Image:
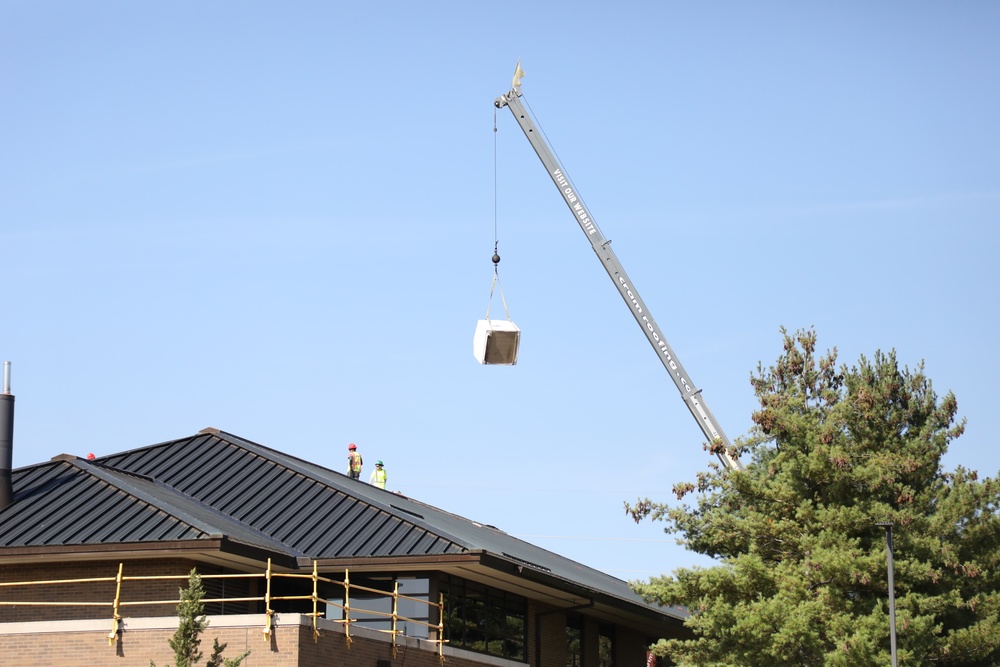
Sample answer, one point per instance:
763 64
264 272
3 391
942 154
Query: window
418 611
220 589
484 619
574 640
606 645
373 609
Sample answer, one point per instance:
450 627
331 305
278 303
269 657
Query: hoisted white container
496 342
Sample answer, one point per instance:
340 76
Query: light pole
892 588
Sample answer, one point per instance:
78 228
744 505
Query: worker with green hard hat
379 476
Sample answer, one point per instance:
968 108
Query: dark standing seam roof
308 508
68 503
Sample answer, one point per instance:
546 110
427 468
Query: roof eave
216 548
488 568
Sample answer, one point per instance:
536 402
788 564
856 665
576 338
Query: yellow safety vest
379 477
355 461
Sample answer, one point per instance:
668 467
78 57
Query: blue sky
277 219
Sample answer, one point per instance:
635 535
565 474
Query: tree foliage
186 641
802 574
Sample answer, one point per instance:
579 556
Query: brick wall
552 632
97 591
43 644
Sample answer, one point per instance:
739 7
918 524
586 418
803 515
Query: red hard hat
352 446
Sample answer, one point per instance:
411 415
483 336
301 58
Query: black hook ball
496 258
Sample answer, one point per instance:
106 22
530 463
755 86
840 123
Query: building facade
301 566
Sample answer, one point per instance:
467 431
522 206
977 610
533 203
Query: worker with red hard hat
353 461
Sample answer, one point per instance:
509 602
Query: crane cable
496 242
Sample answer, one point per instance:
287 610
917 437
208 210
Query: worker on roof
379 475
354 461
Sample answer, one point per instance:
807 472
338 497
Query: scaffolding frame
267 598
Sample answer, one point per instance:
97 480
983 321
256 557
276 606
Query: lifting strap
496 283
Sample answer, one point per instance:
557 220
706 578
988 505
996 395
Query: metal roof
309 509
215 485
73 502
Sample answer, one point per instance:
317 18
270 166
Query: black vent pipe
6 439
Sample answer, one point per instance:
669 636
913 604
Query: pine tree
186 641
801 578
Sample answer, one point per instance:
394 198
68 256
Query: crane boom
602 247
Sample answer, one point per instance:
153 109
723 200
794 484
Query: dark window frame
574 640
606 635
484 619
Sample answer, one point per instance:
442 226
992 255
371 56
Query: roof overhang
216 550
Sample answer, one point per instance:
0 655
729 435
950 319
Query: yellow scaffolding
267 598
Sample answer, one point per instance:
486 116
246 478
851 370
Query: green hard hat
378 463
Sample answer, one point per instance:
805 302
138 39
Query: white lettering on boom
574 202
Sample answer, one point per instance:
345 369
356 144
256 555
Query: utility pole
892 588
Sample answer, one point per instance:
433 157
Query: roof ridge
302 467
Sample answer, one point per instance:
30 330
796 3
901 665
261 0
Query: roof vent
526 562
403 509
